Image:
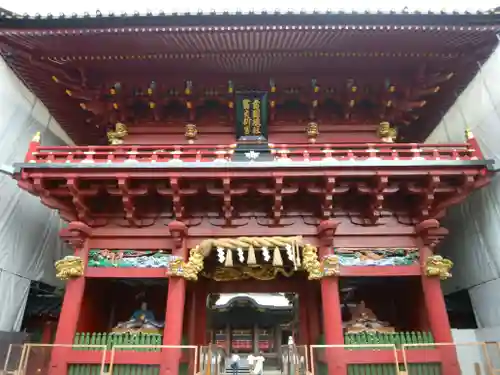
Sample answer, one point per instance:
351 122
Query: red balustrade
282 152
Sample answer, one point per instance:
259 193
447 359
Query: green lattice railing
122 369
110 339
398 339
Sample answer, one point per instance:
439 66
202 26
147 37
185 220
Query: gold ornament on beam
195 264
436 265
263 273
386 133
312 131
36 137
190 132
115 137
69 267
311 263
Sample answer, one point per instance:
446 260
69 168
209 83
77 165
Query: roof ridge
4 13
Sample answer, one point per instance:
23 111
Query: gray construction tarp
29 240
474 239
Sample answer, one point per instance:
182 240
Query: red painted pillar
201 315
174 311
313 317
303 319
47 332
330 299
174 315
190 308
68 321
332 325
438 317
69 316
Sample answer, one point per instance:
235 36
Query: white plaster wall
477 347
474 240
469 354
29 241
491 335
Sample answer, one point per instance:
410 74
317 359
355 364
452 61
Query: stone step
229 371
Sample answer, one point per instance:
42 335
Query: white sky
57 6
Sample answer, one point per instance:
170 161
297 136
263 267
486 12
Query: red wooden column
76 234
47 329
191 307
174 312
70 311
201 314
303 318
330 297
313 316
435 304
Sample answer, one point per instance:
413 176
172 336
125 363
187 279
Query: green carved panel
377 256
130 258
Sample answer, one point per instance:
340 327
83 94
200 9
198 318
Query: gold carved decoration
312 131
311 263
195 263
36 137
436 265
69 267
115 137
262 273
386 133
190 132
